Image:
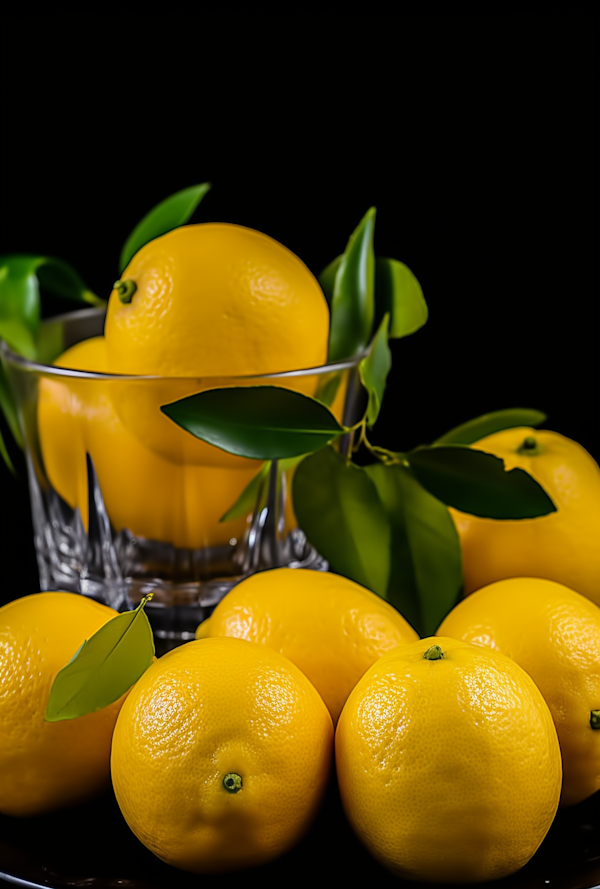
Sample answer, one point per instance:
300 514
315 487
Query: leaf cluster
385 525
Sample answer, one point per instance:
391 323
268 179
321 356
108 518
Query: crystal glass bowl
124 502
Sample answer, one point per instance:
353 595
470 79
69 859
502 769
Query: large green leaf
104 668
169 214
374 370
473 430
478 483
261 422
398 293
426 566
353 300
327 278
339 510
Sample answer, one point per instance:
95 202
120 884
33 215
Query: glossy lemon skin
217 299
332 628
449 770
209 709
553 633
46 766
215 303
151 496
562 546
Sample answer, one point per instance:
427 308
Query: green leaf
61 279
398 292
473 430
245 503
169 214
7 406
426 565
339 510
19 303
6 456
477 483
20 280
353 300
261 422
374 370
327 278
104 668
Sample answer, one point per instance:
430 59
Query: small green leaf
398 292
261 422
374 370
5 455
327 388
476 429
171 213
104 668
61 279
327 278
245 503
426 565
477 483
248 499
18 337
353 300
339 510
7 406
19 303
20 280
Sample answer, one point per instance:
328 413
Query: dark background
473 130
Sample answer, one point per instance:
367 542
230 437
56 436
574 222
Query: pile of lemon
202 306
452 753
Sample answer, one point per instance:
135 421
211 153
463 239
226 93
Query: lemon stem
595 718
433 653
125 289
232 782
529 448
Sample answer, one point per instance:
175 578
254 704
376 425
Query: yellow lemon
151 496
207 305
562 546
48 765
554 634
448 762
332 628
217 299
221 756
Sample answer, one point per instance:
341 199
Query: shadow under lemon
179 502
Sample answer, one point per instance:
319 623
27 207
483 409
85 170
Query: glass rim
52 370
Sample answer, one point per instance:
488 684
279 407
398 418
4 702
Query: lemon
142 491
448 762
221 756
332 628
211 304
553 633
48 765
562 546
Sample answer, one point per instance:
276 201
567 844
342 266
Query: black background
472 129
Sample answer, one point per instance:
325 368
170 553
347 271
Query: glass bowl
125 503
